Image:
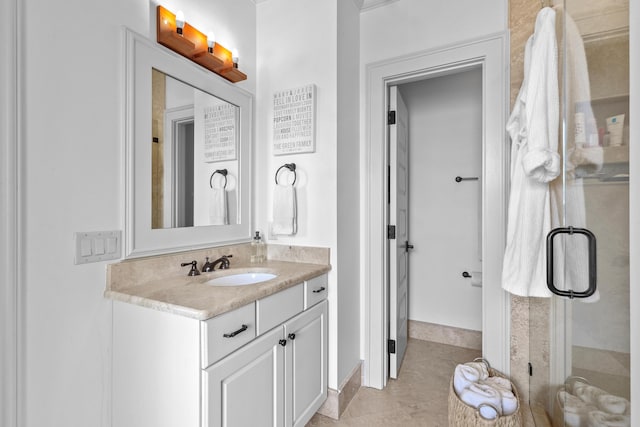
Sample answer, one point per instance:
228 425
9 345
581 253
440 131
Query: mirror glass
194 156
187 154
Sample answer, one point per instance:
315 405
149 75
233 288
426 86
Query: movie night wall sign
294 119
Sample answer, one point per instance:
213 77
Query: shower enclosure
579 340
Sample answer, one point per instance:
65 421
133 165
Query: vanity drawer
315 290
225 333
275 309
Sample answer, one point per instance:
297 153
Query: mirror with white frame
187 156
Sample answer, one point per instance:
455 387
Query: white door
398 232
247 387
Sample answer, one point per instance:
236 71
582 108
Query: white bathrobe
533 127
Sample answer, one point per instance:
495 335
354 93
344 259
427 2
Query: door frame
11 302
491 54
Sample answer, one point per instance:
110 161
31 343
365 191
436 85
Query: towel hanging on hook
292 168
222 172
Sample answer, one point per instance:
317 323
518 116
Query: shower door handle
591 239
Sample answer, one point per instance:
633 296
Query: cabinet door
247 387
306 365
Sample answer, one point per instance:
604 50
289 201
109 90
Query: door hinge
391 118
530 369
391 232
391 346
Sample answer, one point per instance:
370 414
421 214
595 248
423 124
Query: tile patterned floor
417 398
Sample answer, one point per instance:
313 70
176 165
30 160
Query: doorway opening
488 56
442 300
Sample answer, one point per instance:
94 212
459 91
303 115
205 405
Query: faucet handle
194 268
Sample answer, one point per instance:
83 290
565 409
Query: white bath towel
218 207
481 367
533 127
588 393
503 385
602 419
613 404
575 411
477 394
284 210
465 375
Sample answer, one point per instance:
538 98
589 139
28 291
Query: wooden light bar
192 44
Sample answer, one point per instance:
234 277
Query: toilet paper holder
466 275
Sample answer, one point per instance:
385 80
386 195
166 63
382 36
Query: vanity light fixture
176 34
211 41
179 22
234 57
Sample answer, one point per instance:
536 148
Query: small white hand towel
284 210
602 419
509 400
477 394
464 376
575 410
613 404
218 207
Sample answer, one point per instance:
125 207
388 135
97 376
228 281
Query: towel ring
292 168
222 172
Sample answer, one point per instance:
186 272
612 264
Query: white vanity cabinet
269 370
279 379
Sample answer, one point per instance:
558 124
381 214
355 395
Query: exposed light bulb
179 21
234 57
211 41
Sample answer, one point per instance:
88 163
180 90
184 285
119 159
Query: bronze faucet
223 261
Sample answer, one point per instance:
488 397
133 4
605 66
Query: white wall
445 140
298 45
408 26
348 186
73 172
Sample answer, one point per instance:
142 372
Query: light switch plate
95 246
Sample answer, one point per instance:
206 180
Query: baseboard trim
445 334
337 401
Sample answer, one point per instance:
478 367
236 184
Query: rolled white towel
588 393
477 394
575 410
482 369
612 404
464 376
503 385
602 419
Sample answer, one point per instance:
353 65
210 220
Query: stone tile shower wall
529 316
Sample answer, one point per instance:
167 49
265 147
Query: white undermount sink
241 279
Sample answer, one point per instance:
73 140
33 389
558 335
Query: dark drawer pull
317 291
239 331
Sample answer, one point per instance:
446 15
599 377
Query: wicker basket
463 415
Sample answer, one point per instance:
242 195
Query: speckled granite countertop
190 296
